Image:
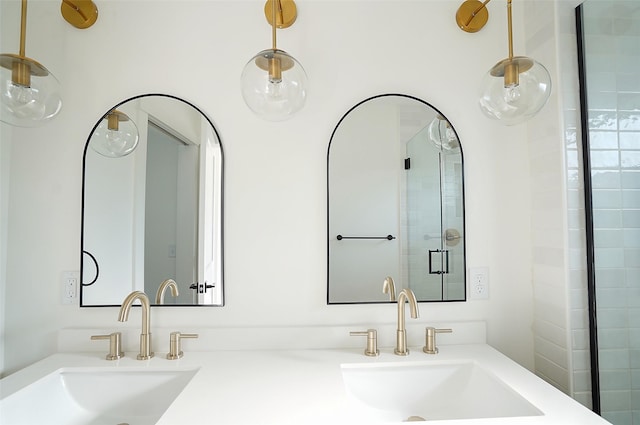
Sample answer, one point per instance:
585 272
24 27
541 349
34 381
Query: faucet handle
175 352
372 341
115 345
430 336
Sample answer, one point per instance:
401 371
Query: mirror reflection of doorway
171 207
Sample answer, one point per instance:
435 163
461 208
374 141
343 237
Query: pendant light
29 93
116 135
442 135
515 88
274 84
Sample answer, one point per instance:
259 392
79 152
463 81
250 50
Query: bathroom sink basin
96 396
431 391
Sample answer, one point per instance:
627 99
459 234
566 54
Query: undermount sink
396 392
96 396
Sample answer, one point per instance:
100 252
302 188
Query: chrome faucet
169 283
145 335
401 336
389 287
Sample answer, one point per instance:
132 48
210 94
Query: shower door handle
444 261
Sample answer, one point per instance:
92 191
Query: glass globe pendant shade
274 85
116 135
29 93
442 135
514 90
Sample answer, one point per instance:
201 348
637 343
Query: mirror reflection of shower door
425 259
435 220
452 225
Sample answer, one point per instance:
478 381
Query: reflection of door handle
201 287
445 262
431 271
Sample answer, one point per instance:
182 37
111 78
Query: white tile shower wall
549 227
612 33
559 269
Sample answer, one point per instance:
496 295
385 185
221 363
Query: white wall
275 173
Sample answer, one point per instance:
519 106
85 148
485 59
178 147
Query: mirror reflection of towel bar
388 237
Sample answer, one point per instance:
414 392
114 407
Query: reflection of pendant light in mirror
442 135
274 84
517 87
115 136
30 94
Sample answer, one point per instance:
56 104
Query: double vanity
287 375
466 382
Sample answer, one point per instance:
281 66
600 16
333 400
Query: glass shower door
435 213
611 65
425 259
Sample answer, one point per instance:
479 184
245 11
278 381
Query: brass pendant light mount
80 13
279 14
286 12
472 15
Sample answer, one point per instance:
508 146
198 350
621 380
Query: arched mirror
152 205
395 203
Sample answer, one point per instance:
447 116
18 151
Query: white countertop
303 386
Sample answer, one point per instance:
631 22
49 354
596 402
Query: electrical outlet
479 283
69 286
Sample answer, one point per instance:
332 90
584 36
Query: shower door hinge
407 163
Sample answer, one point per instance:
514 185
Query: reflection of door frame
209 270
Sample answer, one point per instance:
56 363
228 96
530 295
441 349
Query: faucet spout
145 334
401 335
169 283
389 287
